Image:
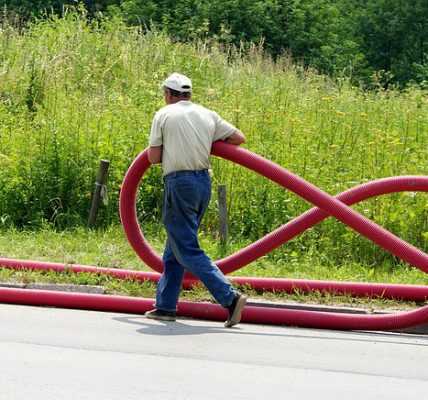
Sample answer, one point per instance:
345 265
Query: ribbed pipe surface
354 289
325 205
258 315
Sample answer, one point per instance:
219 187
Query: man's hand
236 138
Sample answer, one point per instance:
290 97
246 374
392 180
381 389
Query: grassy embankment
109 248
72 93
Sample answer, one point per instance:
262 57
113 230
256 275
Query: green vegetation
343 38
74 90
109 248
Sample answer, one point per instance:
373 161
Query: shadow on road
180 327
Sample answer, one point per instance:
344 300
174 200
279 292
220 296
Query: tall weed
73 91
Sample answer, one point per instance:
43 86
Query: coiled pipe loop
325 205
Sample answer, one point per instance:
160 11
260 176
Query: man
181 137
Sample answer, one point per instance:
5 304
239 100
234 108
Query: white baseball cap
178 82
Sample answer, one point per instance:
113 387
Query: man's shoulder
180 107
162 112
174 107
204 109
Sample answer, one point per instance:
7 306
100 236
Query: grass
74 91
109 248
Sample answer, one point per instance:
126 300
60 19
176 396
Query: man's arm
155 154
236 138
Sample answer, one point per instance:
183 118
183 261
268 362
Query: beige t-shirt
186 131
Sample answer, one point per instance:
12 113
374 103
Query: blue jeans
185 200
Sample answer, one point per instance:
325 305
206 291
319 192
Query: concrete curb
56 287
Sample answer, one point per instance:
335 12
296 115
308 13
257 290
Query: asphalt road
67 354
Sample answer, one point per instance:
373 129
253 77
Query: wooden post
102 172
222 213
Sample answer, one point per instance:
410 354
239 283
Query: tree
393 35
355 38
36 8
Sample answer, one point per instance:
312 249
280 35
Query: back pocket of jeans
188 194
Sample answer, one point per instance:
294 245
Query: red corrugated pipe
355 289
257 315
326 205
